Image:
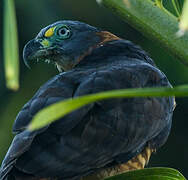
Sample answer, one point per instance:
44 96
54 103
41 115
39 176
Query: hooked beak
35 50
30 51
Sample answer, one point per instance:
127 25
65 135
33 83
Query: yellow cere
45 43
49 32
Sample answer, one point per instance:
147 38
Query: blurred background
34 15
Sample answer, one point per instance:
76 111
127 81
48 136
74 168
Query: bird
101 139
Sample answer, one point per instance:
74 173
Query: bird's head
65 43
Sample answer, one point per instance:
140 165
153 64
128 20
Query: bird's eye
64 32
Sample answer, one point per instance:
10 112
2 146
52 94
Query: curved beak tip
25 58
27 64
29 50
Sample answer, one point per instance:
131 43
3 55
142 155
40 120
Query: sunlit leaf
150 174
60 109
183 25
11 57
150 20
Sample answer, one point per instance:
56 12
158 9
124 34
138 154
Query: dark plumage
101 137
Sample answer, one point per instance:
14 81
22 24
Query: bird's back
102 137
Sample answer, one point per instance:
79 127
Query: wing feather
97 135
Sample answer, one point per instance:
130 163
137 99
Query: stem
146 17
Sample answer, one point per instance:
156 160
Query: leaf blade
183 25
11 56
151 21
150 174
60 109
176 6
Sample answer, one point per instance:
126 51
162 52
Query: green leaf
150 174
176 6
60 109
11 51
159 3
183 25
150 20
